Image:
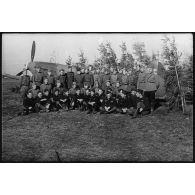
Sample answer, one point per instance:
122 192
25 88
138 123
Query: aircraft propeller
32 58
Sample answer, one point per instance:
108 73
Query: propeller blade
33 51
20 73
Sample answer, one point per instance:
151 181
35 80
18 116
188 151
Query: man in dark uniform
24 83
86 97
39 103
78 78
78 100
56 105
122 103
109 104
108 87
28 103
88 78
37 78
100 99
51 79
65 100
92 103
70 77
62 78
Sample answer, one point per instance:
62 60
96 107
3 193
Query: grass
77 136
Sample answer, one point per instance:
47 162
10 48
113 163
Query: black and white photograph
97 97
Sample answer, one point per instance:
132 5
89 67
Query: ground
77 137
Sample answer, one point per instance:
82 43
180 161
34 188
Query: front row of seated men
92 100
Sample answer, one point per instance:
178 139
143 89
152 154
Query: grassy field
76 136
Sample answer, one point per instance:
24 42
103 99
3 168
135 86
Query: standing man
37 78
88 78
51 79
151 85
78 78
141 80
70 77
62 78
24 83
105 78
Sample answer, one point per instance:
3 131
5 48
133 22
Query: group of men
91 90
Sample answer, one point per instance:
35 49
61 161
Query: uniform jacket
78 78
109 102
70 79
122 102
44 86
37 78
25 80
39 100
141 81
34 92
28 102
151 82
113 78
100 99
51 80
63 80
46 99
59 88
55 98
105 77
88 78
97 78
72 92
64 97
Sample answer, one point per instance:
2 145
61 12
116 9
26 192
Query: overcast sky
16 48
